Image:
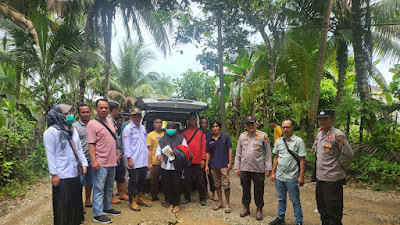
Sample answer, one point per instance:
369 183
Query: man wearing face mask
137 157
250 164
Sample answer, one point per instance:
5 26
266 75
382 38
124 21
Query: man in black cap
250 164
334 156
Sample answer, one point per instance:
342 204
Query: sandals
228 209
176 209
217 207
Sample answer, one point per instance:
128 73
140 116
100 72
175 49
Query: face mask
70 119
170 132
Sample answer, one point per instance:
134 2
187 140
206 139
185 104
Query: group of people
95 153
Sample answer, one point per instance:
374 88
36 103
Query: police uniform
250 161
334 156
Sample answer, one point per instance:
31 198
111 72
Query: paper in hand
167 150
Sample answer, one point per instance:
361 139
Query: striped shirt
81 128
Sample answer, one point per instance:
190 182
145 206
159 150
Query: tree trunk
360 63
342 64
318 72
107 26
82 81
221 73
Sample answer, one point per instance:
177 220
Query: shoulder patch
266 138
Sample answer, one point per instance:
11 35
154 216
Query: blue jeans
294 194
103 184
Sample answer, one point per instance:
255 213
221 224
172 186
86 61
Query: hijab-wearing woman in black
170 175
64 152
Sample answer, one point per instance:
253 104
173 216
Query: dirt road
361 206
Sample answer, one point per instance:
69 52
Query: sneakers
102 219
112 212
277 221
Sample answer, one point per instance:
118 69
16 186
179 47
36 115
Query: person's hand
300 181
159 158
150 167
237 173
203 163
312 150
273 177
267 173
95 165
229 166
118 158
55 180
84 169
130 163
207 169
172 153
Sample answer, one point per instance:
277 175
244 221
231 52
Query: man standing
196 141
137 157
120 169
102 141
154 164
287 173
334 156
277 129
208 133
250 164
219 159
80 125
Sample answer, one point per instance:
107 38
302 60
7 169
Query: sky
175 64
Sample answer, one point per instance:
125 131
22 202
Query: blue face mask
170 132
70 119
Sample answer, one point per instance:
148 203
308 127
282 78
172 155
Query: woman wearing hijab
63 149
170 174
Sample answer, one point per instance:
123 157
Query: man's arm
94 163
203 149
230 152
300 181
268 163
150 166
274 166
238 157
208 156
127 148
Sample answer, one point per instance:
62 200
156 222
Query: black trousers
67 202
194 172
136 181
258 181
210 181
120 172
171 182
329 197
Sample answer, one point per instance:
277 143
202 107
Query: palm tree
144 11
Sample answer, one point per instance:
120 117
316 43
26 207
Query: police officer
334 156
250 164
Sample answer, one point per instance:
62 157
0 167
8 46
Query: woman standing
64 153
170 174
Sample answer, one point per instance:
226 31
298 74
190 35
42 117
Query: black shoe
112 212
102 219
278 221
203 202
186 201
299 223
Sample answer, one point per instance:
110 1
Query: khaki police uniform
334 156
252 164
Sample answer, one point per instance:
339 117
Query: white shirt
135 146
62 162
168 165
